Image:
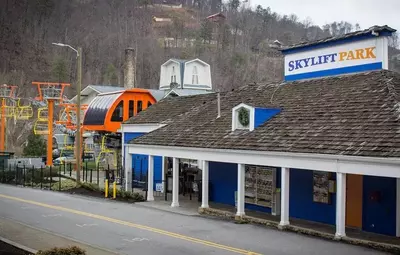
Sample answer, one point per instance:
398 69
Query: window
118 114
195 76
173 75
139 106
260 184
148 103
131 108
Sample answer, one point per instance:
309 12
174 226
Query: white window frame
195 76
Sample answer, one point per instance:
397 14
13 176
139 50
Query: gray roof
188 92
98 108
157 94
107 88
354 115
345 36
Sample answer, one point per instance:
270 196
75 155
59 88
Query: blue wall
129 136
223 178
140 163
262 115
301 203
379 216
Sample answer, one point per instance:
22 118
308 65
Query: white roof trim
83 91
385 167
139 128
170 60
196 60
172 90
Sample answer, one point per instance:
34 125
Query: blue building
321 146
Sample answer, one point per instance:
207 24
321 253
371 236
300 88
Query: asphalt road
135 229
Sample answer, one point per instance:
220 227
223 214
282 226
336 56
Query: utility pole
78 135
78 119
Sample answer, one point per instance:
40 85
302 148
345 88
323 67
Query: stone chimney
129 70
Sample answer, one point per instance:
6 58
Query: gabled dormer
185 74
246 117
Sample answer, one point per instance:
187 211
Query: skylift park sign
334 59
367 53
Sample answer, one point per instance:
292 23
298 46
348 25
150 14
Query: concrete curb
391 248
17 245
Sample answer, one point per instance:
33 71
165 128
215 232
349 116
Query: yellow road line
133 225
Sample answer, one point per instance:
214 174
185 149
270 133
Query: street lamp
78 104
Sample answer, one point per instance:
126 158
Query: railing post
98 174
32 175
41 177
86 169
51 177
91 175
16 176
23 184
59 179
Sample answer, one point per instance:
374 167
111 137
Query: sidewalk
354 236
37 239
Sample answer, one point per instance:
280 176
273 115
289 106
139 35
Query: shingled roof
347 115
368 31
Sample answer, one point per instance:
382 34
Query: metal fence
43 178
51 178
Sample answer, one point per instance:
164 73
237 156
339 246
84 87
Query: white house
185 74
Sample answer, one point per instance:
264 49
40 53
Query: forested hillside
240 49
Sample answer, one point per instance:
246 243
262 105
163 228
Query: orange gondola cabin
107 111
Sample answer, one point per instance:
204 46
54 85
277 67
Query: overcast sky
365 12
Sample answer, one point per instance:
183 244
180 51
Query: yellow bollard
106 189
114 190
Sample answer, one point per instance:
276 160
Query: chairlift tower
50 92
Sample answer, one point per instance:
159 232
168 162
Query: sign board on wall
159 187
356 56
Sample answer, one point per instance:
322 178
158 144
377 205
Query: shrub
74 250
90 186
65 185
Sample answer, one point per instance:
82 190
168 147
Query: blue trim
262 115
333 43
336 71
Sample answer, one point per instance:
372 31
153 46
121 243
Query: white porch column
341 205
128 171
204 186
285 177
240 192
150 179
398 207
163 168
175 182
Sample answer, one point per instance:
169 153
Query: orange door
354 195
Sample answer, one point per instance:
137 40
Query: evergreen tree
234 4
206 31
110 76
35 146
59 70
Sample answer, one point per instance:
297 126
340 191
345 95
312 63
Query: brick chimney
129 70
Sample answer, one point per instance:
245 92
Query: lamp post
78 151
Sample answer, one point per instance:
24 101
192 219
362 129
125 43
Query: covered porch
287 164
